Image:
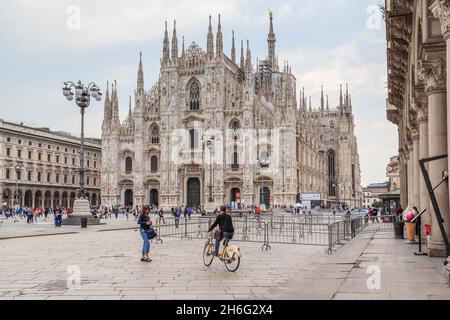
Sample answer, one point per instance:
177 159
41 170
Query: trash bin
399 229
84 222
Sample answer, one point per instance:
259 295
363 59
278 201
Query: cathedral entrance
154 198
235 198
265 197
236 195
193 192
128 198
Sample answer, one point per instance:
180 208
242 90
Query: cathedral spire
183 53
174 43
210 45
271 40
115 101
107 110
129 109
242 55
322 101
233 50
140 76
304 99
346 96
341 99
310 105
328 105
219 40
166 49
248 61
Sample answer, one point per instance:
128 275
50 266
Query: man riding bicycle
225 223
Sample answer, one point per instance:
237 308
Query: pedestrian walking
116 212
36 214
177 217
145 224
161 216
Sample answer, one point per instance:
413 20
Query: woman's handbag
218 235
151 233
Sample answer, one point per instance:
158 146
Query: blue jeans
227 236
146 245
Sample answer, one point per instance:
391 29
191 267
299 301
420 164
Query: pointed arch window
154 164
154 135
193 139
129 165
235 127
332 173
194 94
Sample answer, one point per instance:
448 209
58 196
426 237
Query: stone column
408 178
433 74
422 118
415 168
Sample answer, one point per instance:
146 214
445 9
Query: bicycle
230 256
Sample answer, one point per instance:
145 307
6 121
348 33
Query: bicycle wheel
232 263
208 254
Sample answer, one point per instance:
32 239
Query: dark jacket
142 221
225 223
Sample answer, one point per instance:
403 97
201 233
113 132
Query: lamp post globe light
82 95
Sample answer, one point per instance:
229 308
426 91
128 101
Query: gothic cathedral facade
216 130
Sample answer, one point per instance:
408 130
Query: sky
327 42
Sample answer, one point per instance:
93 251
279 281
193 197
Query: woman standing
145 222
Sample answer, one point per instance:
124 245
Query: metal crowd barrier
303 230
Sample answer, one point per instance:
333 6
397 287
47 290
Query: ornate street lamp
82 95
209 143
18 169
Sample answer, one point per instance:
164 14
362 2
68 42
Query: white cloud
36 34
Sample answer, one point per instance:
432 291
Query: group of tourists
35 215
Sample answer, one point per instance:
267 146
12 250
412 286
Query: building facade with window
216 129
48 164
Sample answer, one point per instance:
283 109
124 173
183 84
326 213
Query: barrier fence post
266 244
330 240
294 240
245 231
185 236
158 232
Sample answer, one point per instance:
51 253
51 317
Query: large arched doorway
154 197
65 199
265 197
128 198
56 199
72 199
6 198
38 199
94 199
18 198
48 199
28 199
235 198
193 192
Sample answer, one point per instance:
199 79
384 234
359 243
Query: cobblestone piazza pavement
39 267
